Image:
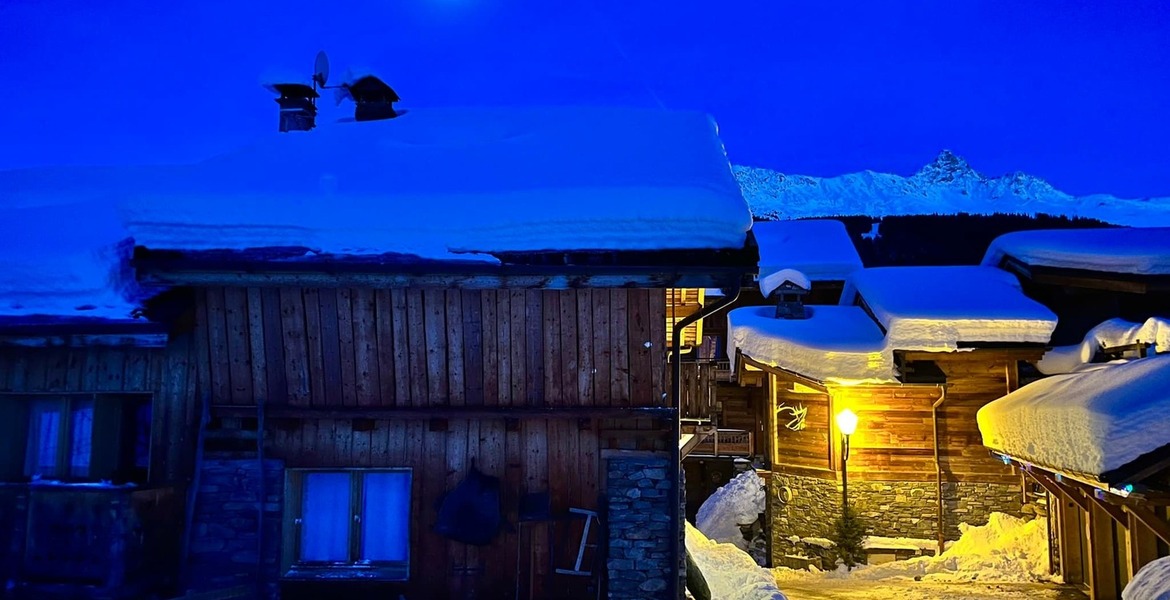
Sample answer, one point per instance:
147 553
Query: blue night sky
1077 92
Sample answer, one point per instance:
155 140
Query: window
76 437
355 520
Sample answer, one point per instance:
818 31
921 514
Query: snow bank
821 249
67 261
1114 332
439 181
1151 582
730 573
1090 422
1135 251
739 501
921 308
1006 549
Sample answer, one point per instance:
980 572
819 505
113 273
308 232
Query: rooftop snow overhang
296 267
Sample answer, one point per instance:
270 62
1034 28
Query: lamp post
847 424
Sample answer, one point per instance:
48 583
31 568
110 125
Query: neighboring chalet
1098 440
96 443
914 352
1089 275
730 420
430 352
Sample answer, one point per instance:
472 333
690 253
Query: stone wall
226 551
640 501
806 507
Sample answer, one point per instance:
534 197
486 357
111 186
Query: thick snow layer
730 573
1114 332
922 308
739 501
821 249
941 306
437 181
1006 549
1089 422
833 343
1151 582
65 262
1135 251
947 186
775 279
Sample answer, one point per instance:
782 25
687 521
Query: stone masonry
226 549
806 507
640 502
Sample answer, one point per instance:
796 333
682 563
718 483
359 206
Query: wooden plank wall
895 435
409 347
680 304
164 373
381 349
745 408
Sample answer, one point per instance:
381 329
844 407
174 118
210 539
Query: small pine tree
848 534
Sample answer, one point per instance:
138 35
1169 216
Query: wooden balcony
709 441
87 541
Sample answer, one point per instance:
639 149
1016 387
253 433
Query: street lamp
847 424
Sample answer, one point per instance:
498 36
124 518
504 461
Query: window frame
292 567
113 437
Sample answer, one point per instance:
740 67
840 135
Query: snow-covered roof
821 249
935 309
928 305
67 262
833 343
1089 422
1111 333
1130 250
775 279
439 181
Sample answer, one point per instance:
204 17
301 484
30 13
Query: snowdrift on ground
740 501
1152 582
730 573
1006 549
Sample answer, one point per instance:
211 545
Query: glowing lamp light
1128 488
1006 459
847 421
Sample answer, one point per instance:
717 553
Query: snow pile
1006 549
921 308
1111 333
947 186
68 261
821 249
1151 582
738 502
1090 422
1135 251
439 181
899 543
730 573
835 343
929 308
770 282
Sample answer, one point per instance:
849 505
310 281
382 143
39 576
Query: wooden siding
162 372
351 351
895 436
680 304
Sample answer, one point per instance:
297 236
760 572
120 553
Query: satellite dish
321 69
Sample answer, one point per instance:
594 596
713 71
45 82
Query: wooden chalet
1110 506
1090 275
916 467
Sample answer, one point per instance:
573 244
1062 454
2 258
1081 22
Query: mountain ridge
948 185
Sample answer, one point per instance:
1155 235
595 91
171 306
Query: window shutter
13 437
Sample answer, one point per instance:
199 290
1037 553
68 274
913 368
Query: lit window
60 438
348 519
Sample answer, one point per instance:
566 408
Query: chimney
298 106
373 99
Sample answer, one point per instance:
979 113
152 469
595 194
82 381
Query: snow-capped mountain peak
948 185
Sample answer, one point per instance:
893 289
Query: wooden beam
1103 584
446 412
783 373
1142 542
1151 521
1114 511
1072 493
81 340
1070 535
